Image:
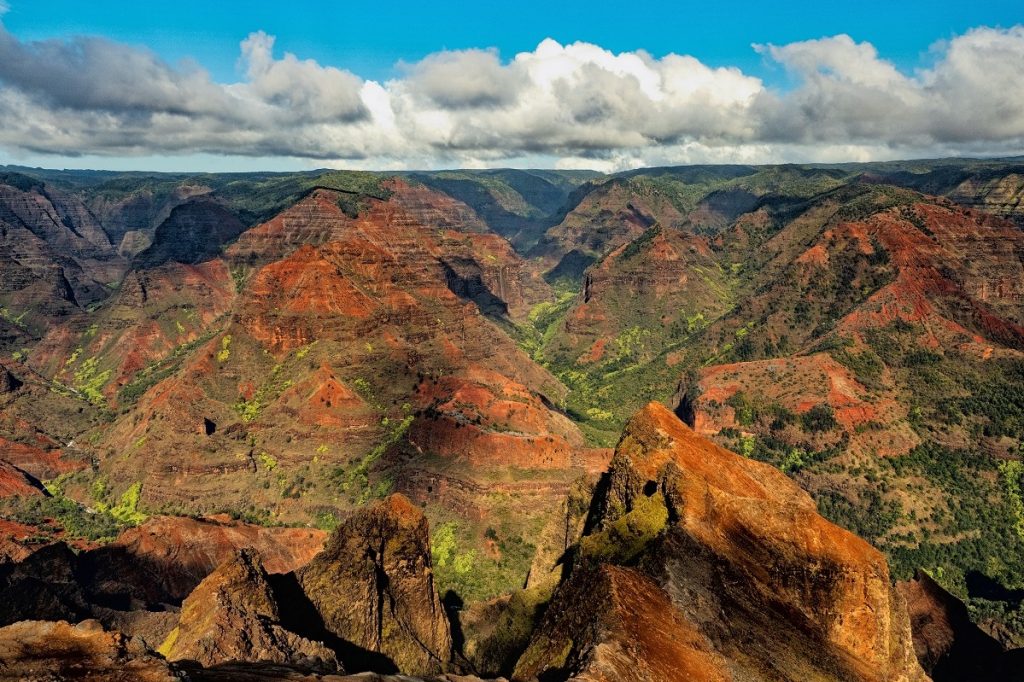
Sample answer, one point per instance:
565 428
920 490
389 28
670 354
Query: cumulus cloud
575 105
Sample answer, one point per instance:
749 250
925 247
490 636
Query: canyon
435 414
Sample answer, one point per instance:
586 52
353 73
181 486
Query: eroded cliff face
690 562
763 588
374 588
56 255
233 616
1000 194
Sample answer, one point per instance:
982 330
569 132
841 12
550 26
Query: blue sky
378 42
370 38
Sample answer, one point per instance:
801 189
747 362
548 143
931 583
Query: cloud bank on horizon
575 105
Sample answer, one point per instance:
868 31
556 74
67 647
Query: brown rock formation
374 587
40 650
734 567
632 633
43 585
233 616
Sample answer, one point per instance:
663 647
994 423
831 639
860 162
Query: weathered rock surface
632 632
374 587
233 615
761 587
43 586
41 651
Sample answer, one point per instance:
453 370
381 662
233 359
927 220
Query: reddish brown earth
40 650
984 301
16 483
39 462
646 290
610 216
799 383
173 554
951 275
631 633
351 345
12 541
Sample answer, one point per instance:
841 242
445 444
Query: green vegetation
59 514
155 373
819 418
1012 477
18 320
250 409
225 349
268 462
474 575
89 380
626 537
127 509
355 482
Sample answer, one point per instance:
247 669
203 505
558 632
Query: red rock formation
41 463
766 588
16 483
12 537
632 634
799 383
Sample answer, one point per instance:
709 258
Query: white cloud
575 105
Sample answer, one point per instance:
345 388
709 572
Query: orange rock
763 587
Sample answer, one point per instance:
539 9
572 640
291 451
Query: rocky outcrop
44 585
233 615
374 587
948 644
733 575
194 232
630 632
40 650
